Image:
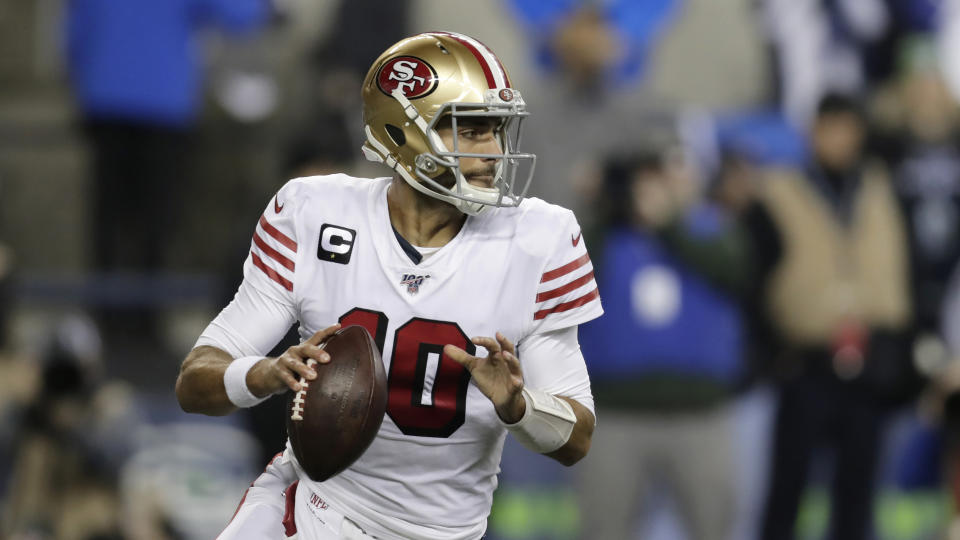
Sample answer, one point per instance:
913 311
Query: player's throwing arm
212 382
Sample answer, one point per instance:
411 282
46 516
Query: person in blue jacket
136 71
667 355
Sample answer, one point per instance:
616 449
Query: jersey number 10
415 405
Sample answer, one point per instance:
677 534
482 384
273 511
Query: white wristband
235 382
546 424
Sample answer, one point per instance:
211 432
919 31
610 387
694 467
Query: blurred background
770 190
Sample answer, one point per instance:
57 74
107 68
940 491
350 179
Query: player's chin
481 180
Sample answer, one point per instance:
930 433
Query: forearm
212 382
200 387
555 369
578 445
556 426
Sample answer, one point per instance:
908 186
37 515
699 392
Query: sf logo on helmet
414 77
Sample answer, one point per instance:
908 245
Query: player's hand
498 375
274 375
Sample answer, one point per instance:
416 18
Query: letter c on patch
336 243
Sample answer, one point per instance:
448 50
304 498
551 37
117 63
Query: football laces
298 400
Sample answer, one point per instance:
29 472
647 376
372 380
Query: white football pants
265 513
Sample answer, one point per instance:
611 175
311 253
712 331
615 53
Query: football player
445 249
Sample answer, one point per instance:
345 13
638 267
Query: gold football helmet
437 75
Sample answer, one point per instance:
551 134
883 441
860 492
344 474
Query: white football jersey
326 251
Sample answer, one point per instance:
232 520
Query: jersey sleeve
251 325
567 292
271 264
553 363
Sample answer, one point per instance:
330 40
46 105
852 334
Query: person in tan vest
839 300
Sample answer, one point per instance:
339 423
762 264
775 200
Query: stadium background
281 96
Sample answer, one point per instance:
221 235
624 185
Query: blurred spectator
18 376
946 392
948 38
596 44
592 58
930 189
839 298
185 480
923 154
18 384
326 129
667 355
712 56
135 69
737 189
74 435
818 46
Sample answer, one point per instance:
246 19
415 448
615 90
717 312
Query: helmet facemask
504 106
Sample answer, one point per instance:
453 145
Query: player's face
474 135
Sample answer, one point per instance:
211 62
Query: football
335 417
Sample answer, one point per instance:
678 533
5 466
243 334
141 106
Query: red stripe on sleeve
560 291
567 306
271 273
279 236
272 253
565 269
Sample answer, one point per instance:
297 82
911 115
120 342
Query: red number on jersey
374 321
441 410
416 404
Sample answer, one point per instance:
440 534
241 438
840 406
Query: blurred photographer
667 356
74 435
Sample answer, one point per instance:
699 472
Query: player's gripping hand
498 375
273 375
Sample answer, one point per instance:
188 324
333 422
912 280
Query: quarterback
472 292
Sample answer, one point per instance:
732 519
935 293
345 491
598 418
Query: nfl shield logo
413 282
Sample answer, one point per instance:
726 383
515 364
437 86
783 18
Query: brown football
333 420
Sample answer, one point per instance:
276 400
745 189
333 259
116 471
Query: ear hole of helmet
396 134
